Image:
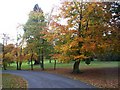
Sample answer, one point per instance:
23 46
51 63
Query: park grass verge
13 81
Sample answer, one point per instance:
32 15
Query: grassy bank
13 81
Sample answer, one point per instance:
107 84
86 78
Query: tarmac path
39 79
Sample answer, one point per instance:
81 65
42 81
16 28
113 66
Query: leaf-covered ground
99 77
13 81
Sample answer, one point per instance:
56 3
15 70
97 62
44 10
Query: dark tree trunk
31 61
55 65
50 61
76 67
20 64
17 65
36 62
31 65
4 65
42 59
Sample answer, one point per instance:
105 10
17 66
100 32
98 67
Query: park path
37 79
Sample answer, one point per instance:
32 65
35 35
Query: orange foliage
83 33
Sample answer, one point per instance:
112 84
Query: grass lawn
101 74
13 81
94 64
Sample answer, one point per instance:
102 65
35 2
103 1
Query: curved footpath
46 80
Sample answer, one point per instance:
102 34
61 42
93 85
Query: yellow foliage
80 34
9 56
80 57
73 44
1 56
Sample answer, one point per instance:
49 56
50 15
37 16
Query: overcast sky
15 12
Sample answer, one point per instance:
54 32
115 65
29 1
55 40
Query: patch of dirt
101 77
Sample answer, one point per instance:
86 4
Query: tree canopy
88 31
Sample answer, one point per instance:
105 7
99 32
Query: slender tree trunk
36 62
31 64
76 67
50 61
20 64
4 65
42 57
55 65
31 61
17 65
38 58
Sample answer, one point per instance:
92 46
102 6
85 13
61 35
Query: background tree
8 55
18 55
113 34
5 39
33 34
30 55
1 45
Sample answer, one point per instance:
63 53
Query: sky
15 12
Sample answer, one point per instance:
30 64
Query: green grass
13 81
94 64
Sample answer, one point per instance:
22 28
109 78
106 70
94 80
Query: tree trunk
4 65
17 65
31 61
42 57
36 62
55 65
20 64
50 61
76 67
31 65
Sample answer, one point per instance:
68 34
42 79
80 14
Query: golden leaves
79 57
89 23
9 56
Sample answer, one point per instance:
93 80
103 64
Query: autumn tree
8 55
18 56
30 55
5 40
83 35
33 34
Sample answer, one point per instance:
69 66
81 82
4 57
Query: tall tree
33 33
83 34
